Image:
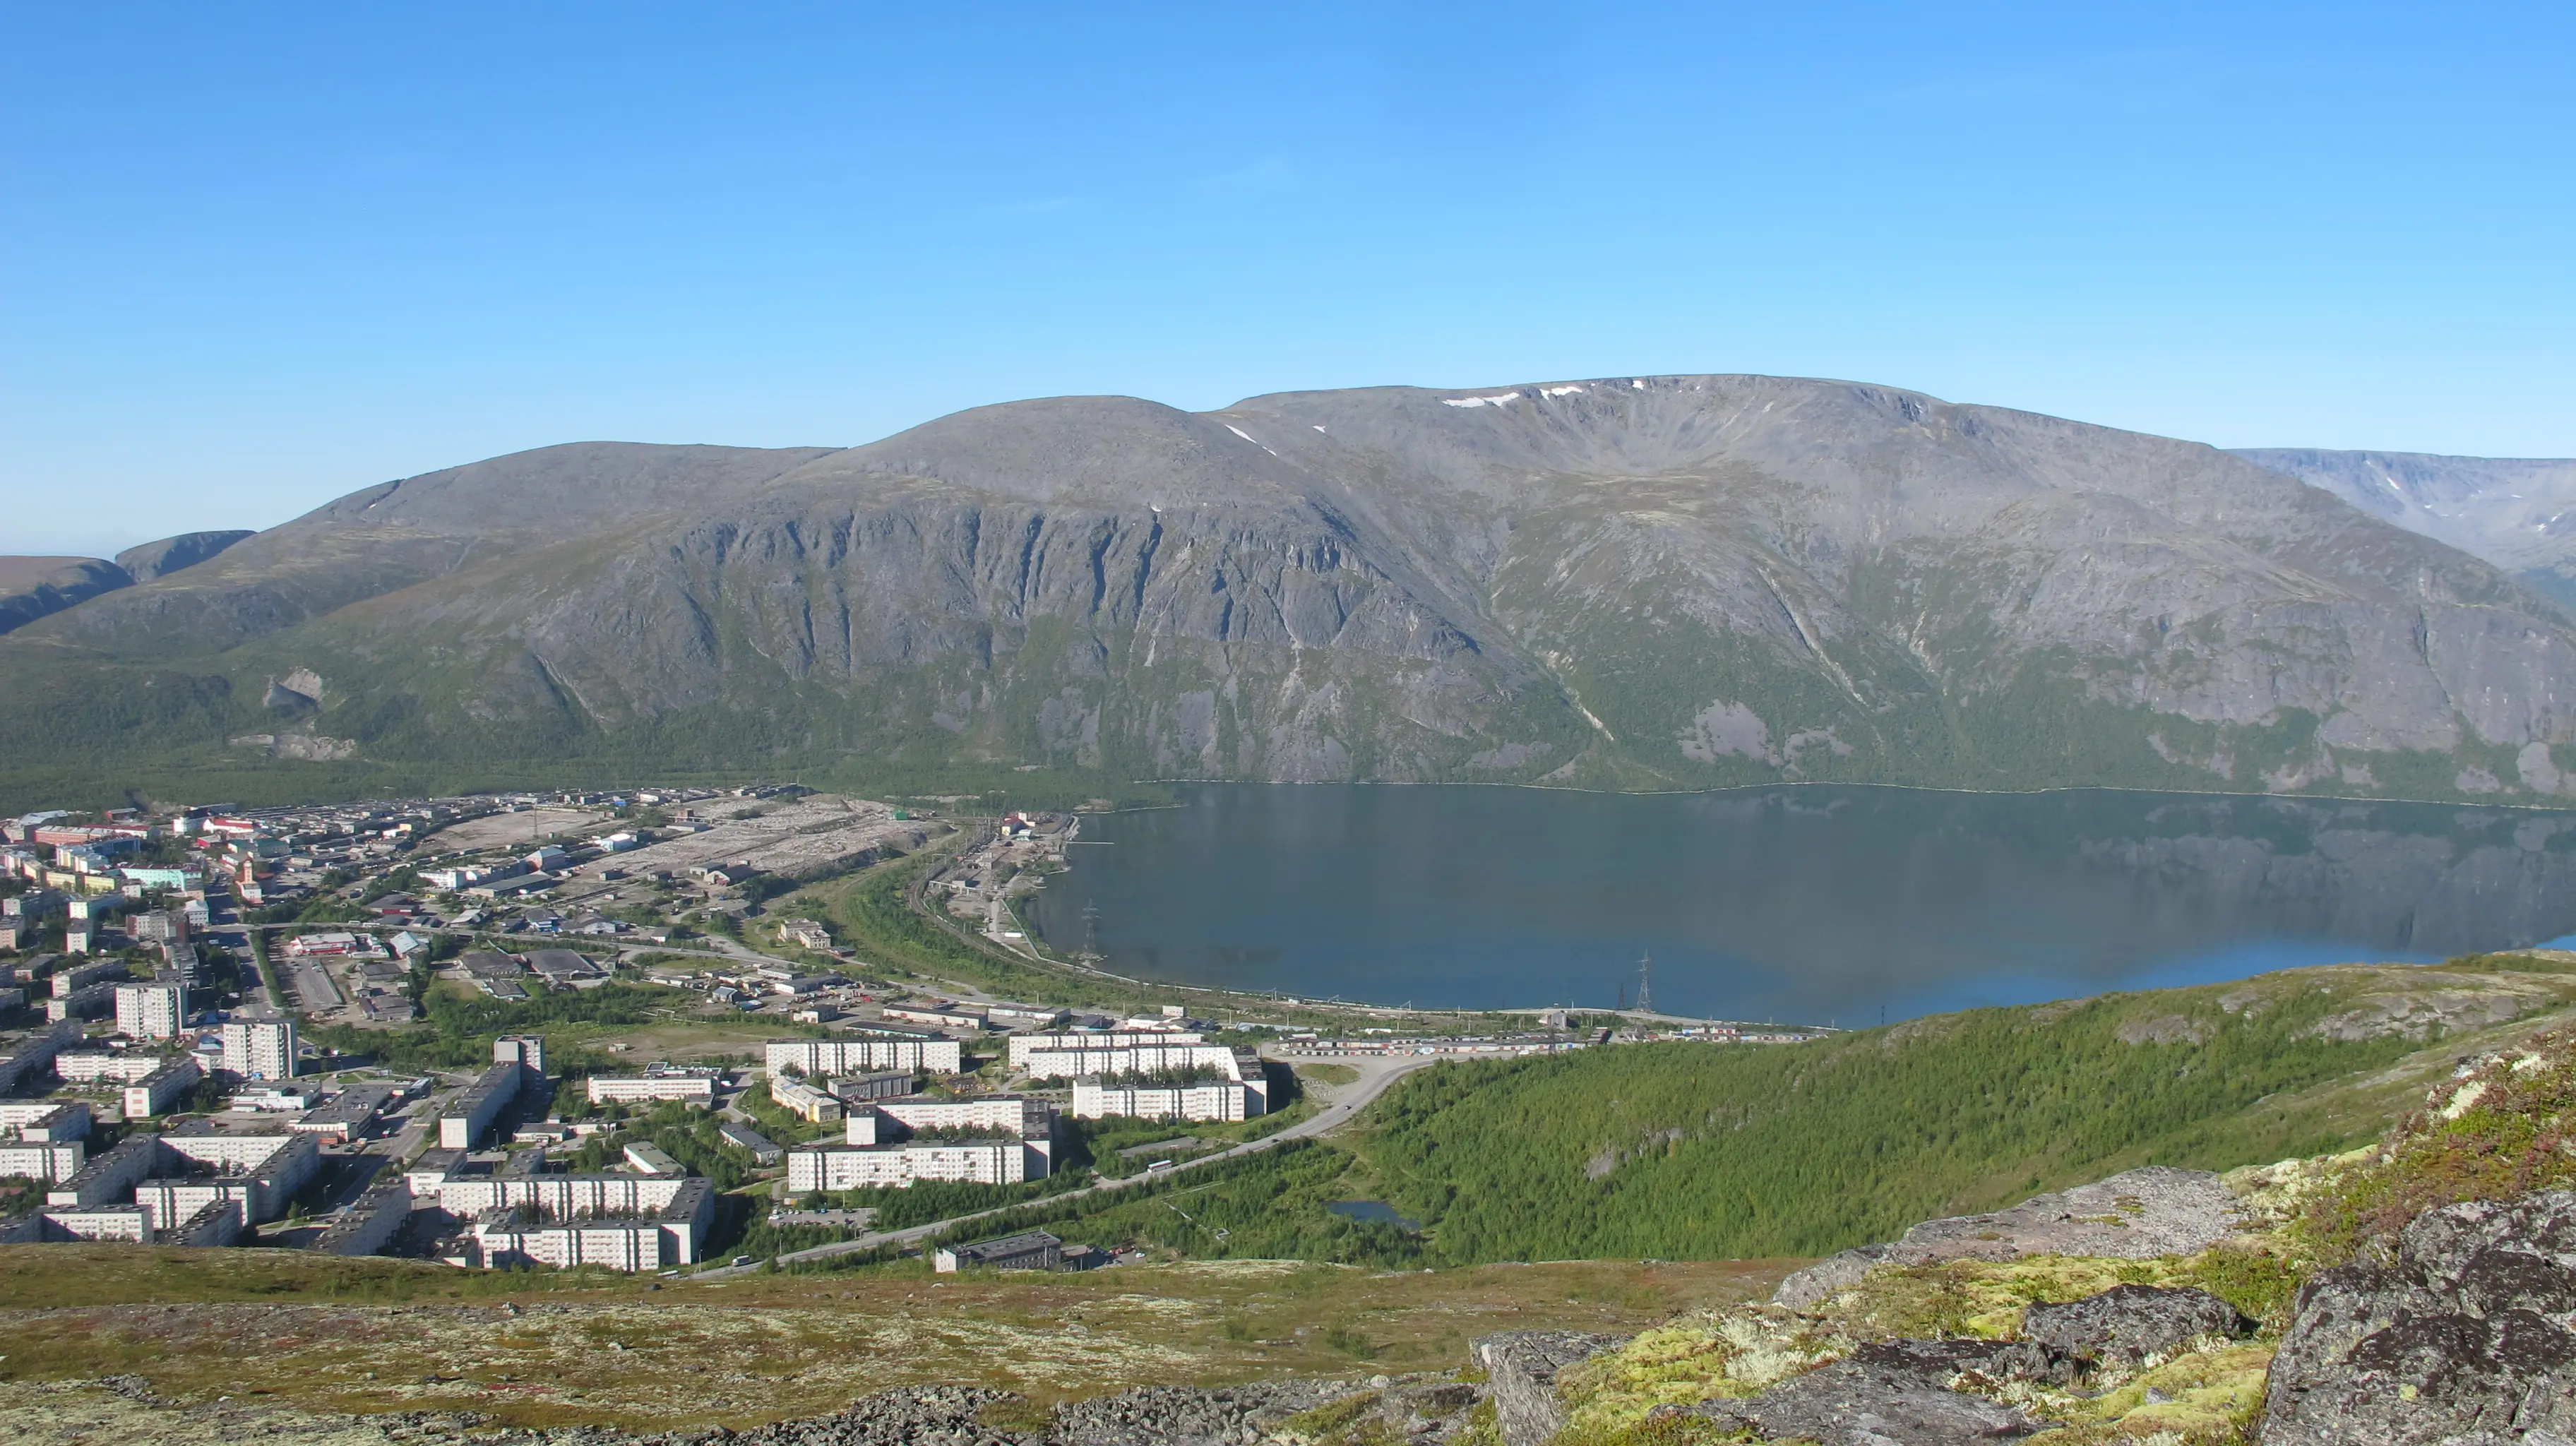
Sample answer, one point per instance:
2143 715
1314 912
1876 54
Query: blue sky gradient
253 257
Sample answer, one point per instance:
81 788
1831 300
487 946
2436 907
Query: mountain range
1631 582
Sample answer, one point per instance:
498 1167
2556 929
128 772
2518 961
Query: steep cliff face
1677 581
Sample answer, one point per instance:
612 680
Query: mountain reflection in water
1815 904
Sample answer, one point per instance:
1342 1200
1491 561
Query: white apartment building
41 1160
44 1122
852 1167
562 1197
1099 1091
264 1050
1021 1145
1023 1045
623 1222
817 1058
91 1066
693 1089
1093 1101
152 1011
156 1092
1124 1059
884 1120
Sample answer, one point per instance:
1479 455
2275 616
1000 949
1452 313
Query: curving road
1346 1101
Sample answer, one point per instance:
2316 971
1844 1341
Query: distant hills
34 587
1632 582
2517 513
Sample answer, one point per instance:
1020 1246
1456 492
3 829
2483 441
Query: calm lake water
1823 905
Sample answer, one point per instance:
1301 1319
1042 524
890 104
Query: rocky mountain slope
2518 513
1631 582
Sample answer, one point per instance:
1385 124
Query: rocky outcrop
2129 1323
1185 1416
2134 1215
1872 1403
1522 1368
2462 1335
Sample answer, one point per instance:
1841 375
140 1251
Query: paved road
1347 1100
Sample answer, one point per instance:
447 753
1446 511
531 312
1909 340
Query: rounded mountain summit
1630 582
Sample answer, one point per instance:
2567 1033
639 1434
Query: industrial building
646 1158
763 1150
1028 1250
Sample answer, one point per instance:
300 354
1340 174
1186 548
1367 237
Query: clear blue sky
255 256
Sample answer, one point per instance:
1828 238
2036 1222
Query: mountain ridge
1622 582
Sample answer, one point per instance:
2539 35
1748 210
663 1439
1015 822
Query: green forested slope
1690 1151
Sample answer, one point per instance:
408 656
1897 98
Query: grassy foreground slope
1688 1152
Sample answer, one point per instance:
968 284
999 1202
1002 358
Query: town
326 1028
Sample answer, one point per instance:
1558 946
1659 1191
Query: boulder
2462 1336
1940 1362
1523 1367
2127 1324
2134 1215
1860 1403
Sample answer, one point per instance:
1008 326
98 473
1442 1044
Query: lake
1807 905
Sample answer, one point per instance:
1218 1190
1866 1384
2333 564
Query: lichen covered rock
2128 1324
2464 1331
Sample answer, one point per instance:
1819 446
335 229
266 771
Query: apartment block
260 1050
817 1058
44 1122
90 1066
157 1010
846 1167
468 1117
696 1089
156 1092
27 1060
371 1224
624 1222
1023 1045
171 1179
888 1143
528 1051
41 1160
